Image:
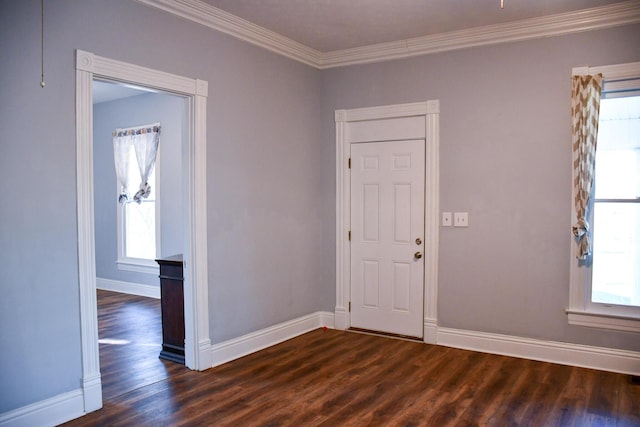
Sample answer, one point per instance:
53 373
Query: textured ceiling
329 25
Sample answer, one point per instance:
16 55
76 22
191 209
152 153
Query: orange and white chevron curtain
585 108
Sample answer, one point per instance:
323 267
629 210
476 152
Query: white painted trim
196 296
431 111
137 268
596 18
340 318
89 66
387 111
138 265
327 319
431 217
50 412
130 288
430 331
92 392
113 70
610 72
250 343
343 252
606 359
527 29
86 235
225 22
603 321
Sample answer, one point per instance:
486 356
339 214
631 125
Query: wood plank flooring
335 378
130 337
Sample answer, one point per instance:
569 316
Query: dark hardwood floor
334 378
130 337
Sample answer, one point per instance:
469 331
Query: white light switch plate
460 219
446 219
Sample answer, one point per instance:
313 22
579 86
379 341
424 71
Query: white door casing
388 123
197 340
387 232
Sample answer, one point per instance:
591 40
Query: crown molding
553 25
219 20
596 18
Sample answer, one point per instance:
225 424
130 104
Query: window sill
603 321
139 266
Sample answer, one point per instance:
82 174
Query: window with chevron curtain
605 278
585 105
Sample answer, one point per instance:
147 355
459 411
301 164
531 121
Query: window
138 225
616 213
605 288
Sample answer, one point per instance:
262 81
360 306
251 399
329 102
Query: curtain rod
154 127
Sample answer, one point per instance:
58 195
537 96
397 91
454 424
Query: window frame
139 265
582 311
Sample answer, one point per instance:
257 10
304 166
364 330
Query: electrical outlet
460 219
446 219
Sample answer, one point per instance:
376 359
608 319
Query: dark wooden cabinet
172 304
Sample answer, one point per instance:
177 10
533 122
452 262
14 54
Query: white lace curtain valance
144 141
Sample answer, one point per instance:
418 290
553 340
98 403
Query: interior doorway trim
197 341
343 118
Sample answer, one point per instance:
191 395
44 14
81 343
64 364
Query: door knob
418 255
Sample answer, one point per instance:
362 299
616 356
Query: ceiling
332 25
323 31
110 91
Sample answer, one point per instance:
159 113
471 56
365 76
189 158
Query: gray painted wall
39 309
505 157
271 177
134 111
269 260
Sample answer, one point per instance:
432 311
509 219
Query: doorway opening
193 185
130 236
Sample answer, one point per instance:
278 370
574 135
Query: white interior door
387 235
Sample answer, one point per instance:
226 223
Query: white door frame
430 110
196 308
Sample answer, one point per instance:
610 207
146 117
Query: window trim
582 311
140 265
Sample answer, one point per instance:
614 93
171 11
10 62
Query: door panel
401 215
371 220
401 286
371 282
387 216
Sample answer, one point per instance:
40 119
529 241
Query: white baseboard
430 331
340 318
235 348
92 387
327 319
605 359
50 412
128 287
